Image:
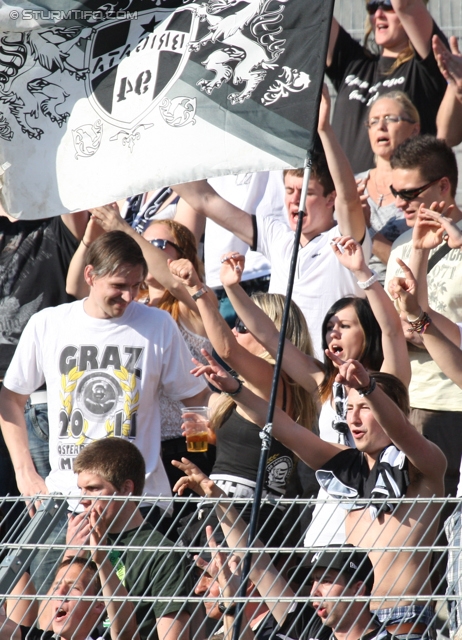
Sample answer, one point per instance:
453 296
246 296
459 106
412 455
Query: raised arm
109 219
444 348
307 446
425 456
75 282
191 219
22 604
449 116
225 570
264 575
257 372
395 356
120 612
304 369
76 222
427 234
332 41
348 207
205 200
417 23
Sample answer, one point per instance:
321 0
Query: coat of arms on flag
101 102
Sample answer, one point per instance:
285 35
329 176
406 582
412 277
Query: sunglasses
240 326
411 194
162 244
374 5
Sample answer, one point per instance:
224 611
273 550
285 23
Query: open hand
232 267
194 479
109 218
350 254
444 228
428 230
449 62
214 373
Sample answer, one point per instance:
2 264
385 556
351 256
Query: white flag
97 104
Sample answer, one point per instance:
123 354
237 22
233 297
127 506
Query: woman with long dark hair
365 330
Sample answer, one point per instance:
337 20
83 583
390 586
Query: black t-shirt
32 633
302 623
34 259
359 77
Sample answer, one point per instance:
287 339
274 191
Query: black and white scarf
347 476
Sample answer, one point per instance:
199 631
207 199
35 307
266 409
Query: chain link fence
178 583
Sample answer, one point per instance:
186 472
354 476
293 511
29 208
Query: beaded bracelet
366 391
234 393
421 324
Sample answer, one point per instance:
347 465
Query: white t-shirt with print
260 194
103 379
320 279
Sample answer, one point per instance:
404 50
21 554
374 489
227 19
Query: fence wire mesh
163 577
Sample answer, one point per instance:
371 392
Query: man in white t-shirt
103 360
320 279
424 171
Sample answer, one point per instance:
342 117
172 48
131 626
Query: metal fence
181 583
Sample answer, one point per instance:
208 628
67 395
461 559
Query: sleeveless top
238 455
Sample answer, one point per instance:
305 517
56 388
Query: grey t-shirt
389 220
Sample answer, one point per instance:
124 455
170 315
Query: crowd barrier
26 539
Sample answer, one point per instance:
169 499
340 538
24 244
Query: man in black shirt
344 573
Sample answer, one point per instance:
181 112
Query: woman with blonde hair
238 442
390 120
402 30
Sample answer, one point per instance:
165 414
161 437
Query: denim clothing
36 416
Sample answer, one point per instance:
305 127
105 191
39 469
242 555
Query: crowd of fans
103 310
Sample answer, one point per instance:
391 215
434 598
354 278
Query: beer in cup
196 420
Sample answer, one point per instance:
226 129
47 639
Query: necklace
382 196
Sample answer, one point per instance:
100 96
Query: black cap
344 559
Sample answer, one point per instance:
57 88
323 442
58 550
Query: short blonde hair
404 101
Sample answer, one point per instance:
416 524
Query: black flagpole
267 430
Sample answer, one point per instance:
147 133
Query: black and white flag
103 100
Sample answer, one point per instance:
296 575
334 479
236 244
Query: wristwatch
227 610
203 290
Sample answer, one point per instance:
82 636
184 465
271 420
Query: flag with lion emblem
103 100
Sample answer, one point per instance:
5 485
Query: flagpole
267 430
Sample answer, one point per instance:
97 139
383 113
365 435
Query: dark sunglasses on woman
162 244
374 5
240 326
